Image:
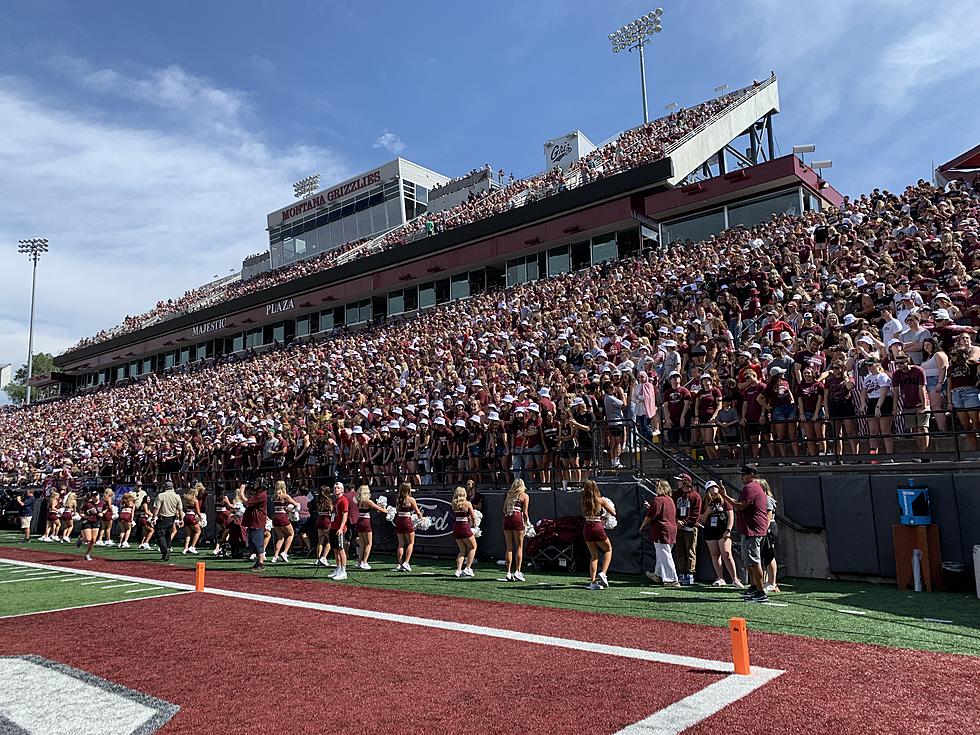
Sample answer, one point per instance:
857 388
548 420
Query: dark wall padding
851 535
803 500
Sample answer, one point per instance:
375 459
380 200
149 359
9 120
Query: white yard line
853 612
31 578
94 604
673 719
116 586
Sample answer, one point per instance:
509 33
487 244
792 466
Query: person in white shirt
891 327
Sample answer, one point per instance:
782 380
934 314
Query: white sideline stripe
853 612
690 710
94 604
702 704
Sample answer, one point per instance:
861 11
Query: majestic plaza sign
198 329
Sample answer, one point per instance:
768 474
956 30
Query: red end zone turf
424 678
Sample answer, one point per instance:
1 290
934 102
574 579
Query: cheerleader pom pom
610 522
530 532
115 512
179 524
477 532
382 501
423 524
76 517
611 505
390 513
268 524
477 518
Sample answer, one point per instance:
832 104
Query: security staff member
165 510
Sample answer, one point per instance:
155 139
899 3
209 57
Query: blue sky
148 140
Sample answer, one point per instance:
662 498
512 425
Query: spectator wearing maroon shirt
909 384
338 531
677 404
752 411
777 400
809 401
840 407
707 404
661 517
752 520
687 506
254 523
964 395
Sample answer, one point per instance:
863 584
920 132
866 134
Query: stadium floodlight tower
305 187
635 35
33 249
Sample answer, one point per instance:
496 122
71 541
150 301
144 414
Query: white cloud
391 142
135 211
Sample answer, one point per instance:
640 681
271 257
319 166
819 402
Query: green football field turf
26 590
828 609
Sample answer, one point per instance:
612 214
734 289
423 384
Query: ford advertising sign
440 511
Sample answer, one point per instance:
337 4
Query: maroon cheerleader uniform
514 517
55 513
126 514
280 513
107 514
594 530
363 519
190 515
66 515
461 525
323 520
222 512
403 519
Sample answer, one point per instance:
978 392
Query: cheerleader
594 507
105 530
91 512
222 517
515 521
365 535
54 518
282 505
68 517
144 519
324 514
127 506
192 521
338 527
405 527
463 523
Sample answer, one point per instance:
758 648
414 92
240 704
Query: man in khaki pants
688 505
166 509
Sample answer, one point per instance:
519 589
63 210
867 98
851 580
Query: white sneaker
124 545
110 542
340 576
99 543
285 557
363 565
400 568
468 572
184 551
192 550
217 550
88 558
603 582
718 583
593 586
458 573
43 538
145 546
274 560
333 574
320 563
519 577
738 584
769 588
510 577
406 567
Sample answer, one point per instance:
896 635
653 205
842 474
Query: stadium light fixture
800 150
32 248
820 165
721 88
634 36
305 187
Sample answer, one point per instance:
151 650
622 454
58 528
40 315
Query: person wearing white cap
717 520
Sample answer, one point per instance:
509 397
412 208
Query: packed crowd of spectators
857 323
630 149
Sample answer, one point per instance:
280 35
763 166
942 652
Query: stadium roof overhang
965 165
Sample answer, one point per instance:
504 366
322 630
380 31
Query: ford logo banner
441 513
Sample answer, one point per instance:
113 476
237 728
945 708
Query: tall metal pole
30 335
643 83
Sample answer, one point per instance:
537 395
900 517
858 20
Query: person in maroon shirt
909 385
752 411
338 531
661 517
809 400
254 522
677 404
707 404
687 505
752 520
